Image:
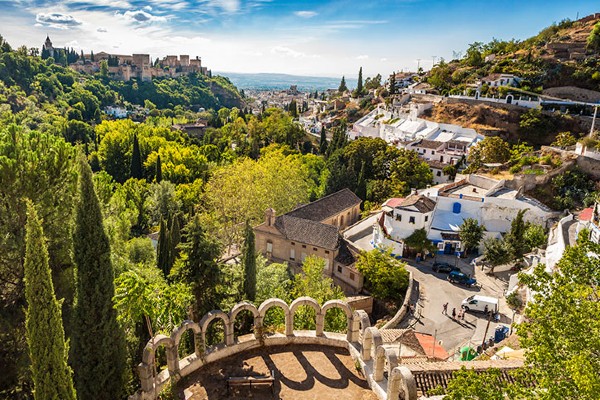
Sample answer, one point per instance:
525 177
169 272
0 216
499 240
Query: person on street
445 309
454 313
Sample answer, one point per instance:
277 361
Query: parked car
444 267
480 303
459 277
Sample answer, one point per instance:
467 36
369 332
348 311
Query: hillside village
408 235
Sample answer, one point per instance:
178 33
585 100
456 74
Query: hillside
505 121
563 54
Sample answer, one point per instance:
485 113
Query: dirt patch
301 372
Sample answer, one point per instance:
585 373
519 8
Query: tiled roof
345 255
429 144
393 202
586 215
327 206
309 232
422 203
436 164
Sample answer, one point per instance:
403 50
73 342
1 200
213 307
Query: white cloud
383 59
362 57
306 14
102 30
286 51
56 20
141 16
121 4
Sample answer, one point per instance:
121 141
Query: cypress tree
162 256
45 334
323 142
359 85
249 263
158 170
342 87
92 56
361 186
174 239
136 160
98 354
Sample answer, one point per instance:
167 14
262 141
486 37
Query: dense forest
91 190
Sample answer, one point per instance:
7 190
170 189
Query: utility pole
593 121
487 327
418 64
434 57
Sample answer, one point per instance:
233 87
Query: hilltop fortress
126 67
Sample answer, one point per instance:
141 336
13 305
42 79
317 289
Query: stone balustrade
363 341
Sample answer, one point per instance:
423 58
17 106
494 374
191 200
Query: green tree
163 249
158 173
249 261
419 242
516 237
45 334
103 69
98 353
323 141
535 236
563 320
359 86
471 234
343 88
492 149
198 266
535 126
136 160
564 139
361 186
174 240
496 252
468 384
385 277
392 84
593 40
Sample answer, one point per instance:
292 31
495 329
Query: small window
339 269
426 218
398 217
352 275
303 246
439 173
326 251
411 220
292 254
432 152
314 249
269 247
293 243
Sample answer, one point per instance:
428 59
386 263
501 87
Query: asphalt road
432 290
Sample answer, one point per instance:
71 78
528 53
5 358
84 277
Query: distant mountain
267 81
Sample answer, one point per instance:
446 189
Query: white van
479 303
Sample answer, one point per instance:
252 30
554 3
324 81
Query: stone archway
208 318
371 340
275 302
180 330
401 379
238 308
381 356
310 302
335 304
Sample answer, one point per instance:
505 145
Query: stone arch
382 355
208 318
509 99
336 304
306 301
371 340
275 302
181 329
238 308
360 322
402 379
149 354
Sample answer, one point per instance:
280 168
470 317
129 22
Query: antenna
434 57
418 64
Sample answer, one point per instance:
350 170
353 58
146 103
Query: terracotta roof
430 347
393 202
307 231
586 215
327 206
428 144
422 203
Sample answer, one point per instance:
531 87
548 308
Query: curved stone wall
365 344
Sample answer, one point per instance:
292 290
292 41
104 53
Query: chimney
270 217
413 191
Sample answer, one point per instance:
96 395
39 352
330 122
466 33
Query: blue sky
322 38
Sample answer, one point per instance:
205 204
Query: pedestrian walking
460 314
445 310
454 313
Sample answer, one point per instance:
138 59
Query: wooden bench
262 380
